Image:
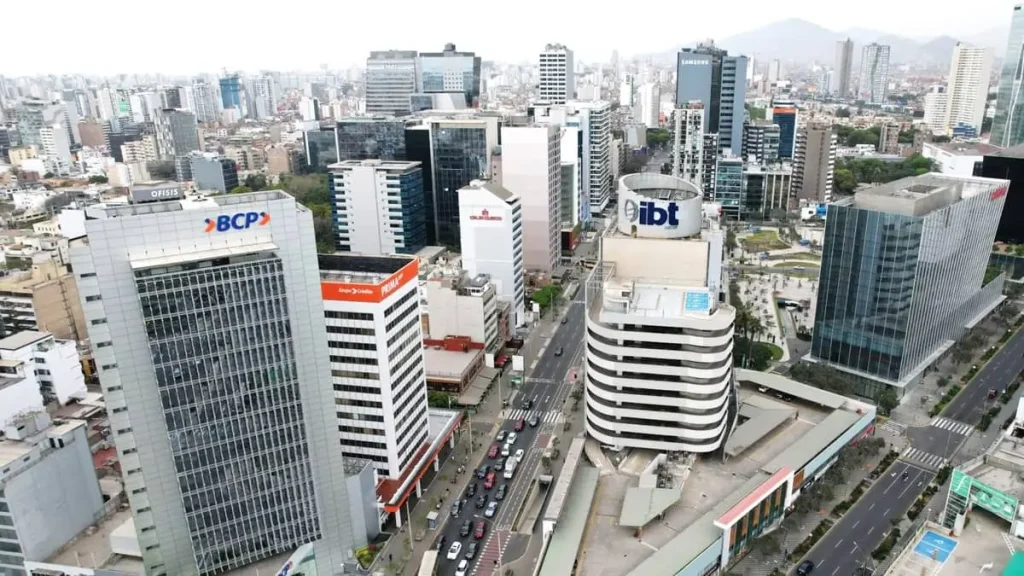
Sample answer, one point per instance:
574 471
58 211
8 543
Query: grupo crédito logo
239 221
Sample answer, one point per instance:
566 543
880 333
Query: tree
256 182
545 461
98 179
658 137
755 112
730 241
1008 313
843 112
888 401
961 354
1013 290
240 190
767 544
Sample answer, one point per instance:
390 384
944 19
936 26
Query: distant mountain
995 38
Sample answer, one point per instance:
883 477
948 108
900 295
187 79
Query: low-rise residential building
43 298
458 304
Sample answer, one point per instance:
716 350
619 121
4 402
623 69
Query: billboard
371 293
978 494
168 191
301 563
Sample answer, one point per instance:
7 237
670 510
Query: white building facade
531 158
874 73
970 70
593 119
688 143
458 304
378 206
54 364
372 310
557 75
491 219
936 100
649 110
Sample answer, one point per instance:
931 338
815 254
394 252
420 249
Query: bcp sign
239 221
647 213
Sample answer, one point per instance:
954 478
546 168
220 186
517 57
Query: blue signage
697 302
239 221
648 213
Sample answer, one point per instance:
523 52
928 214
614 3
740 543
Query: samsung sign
694 62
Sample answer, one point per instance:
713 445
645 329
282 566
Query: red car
489 481
519 425
493 452
481 529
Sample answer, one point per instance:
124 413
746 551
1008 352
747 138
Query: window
93 298
98 321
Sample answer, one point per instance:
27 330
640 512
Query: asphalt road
864 525
545 384
850 543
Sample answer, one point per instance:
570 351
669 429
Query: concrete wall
56 499
363 503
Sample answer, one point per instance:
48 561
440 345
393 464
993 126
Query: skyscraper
1008 124
557 74
371 138
710 75
649 110
204 98
176 133
231 92
377 207
531 162
207 324
786 117
902 272
688 143
391 77
814 162
843 68
874 73
449 72
969 71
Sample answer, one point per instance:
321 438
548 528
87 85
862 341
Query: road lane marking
834 571
870 530
886 513
855 523
872 506
838 543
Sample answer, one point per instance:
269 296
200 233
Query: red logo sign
485 215
998 193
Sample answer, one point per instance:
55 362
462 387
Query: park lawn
796 256
776 351
763 241
795 263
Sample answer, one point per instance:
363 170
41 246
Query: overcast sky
187 36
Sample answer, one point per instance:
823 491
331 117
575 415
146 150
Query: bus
428 566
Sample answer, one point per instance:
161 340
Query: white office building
531 158
53 363
970 70
372 310
557 76
593 119
626 91
688 143
936 100
458 304
647 113
874 73
206 322
491 219
378 207
659 344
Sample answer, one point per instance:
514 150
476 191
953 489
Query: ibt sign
239 221
647 213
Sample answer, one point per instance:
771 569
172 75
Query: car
481 501
483 471
441 542
455 550
558 351
471 549
519 455
506 449
520 424
805 568
533 421
565 319
471 491
512 437
500 494
456 509
492 509
499 465
906 474
527 404
463 567
489 481
493 451
480 530
465 529
500 437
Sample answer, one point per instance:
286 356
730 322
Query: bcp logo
647 213
239 221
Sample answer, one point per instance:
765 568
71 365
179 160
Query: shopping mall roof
565 542
642 505
760 422
811 444
785 385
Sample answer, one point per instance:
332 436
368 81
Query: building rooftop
967 148
356 269
917 196
448 364
398 165
494 188
197 203
21 339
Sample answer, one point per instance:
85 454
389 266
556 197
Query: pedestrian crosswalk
952 425
894 427
920 456
550 416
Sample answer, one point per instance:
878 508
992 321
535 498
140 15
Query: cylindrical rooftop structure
653 205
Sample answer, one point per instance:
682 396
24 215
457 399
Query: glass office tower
321 148
207 325
901 276
451 71
371 139
460 156
1008 124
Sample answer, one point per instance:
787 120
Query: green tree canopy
755 112
240 190
98 179
657 137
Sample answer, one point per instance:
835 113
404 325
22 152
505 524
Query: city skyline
272 50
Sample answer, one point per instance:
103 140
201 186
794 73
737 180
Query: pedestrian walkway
491 551
551 416
932 461
897 428
952 425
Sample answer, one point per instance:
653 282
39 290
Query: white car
463 567
506 449
454 550
512 437
519 455
491 510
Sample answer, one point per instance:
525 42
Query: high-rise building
649 110
814 162
213 173
309 109
320 147
593 119
491 218
375 349
231 92
377 207
761 142
264 97
176 133
43 124
1008 123
729 186
710 165
874 73
967 87
659 340
843 69
557 75
391 77
373 138
902 274
531 163
688 143
935 102
1008 164
206 320
626 91
448 72
708 74
204 99
786 117
889 138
